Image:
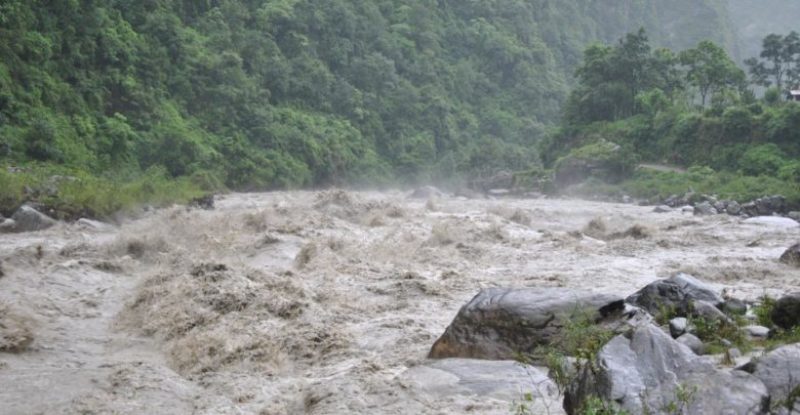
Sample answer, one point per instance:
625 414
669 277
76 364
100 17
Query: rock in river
678 293
501 323
792 256
28 219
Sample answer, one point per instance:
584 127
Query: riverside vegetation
693 109
254 95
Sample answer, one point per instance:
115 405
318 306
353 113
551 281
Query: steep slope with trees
695 109
280 93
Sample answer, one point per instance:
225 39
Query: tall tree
779 63
710 70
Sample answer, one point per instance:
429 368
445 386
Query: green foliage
289 93
714 332
763 311
73 194
751 148
765 159
650 184
710 71
597 406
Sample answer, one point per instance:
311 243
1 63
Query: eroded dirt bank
326 302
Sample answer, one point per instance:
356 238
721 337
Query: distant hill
754 19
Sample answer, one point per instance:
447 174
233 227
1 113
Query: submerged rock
662 209
647 371
502 323
774 221
205 202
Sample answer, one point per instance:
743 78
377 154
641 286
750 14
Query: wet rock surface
679 294
645 372
28 219
502 323
779 370
792 256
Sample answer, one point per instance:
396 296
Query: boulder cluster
705 205
649 358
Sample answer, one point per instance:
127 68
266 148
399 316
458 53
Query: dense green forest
262 94
266 94
694 109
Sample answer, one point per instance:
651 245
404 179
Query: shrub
766 159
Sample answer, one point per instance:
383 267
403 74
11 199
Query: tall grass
71 194
726 185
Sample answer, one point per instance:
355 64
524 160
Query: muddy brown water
328 302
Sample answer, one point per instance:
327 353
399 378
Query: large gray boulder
792 256
648 372
693 343
779 370
771 205
733 208
705 209
679 294
786 313
28 219
501 323
708 312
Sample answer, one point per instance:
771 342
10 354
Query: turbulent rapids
327 302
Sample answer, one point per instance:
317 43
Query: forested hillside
693 109
280 93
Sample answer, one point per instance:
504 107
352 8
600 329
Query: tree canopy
276 93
